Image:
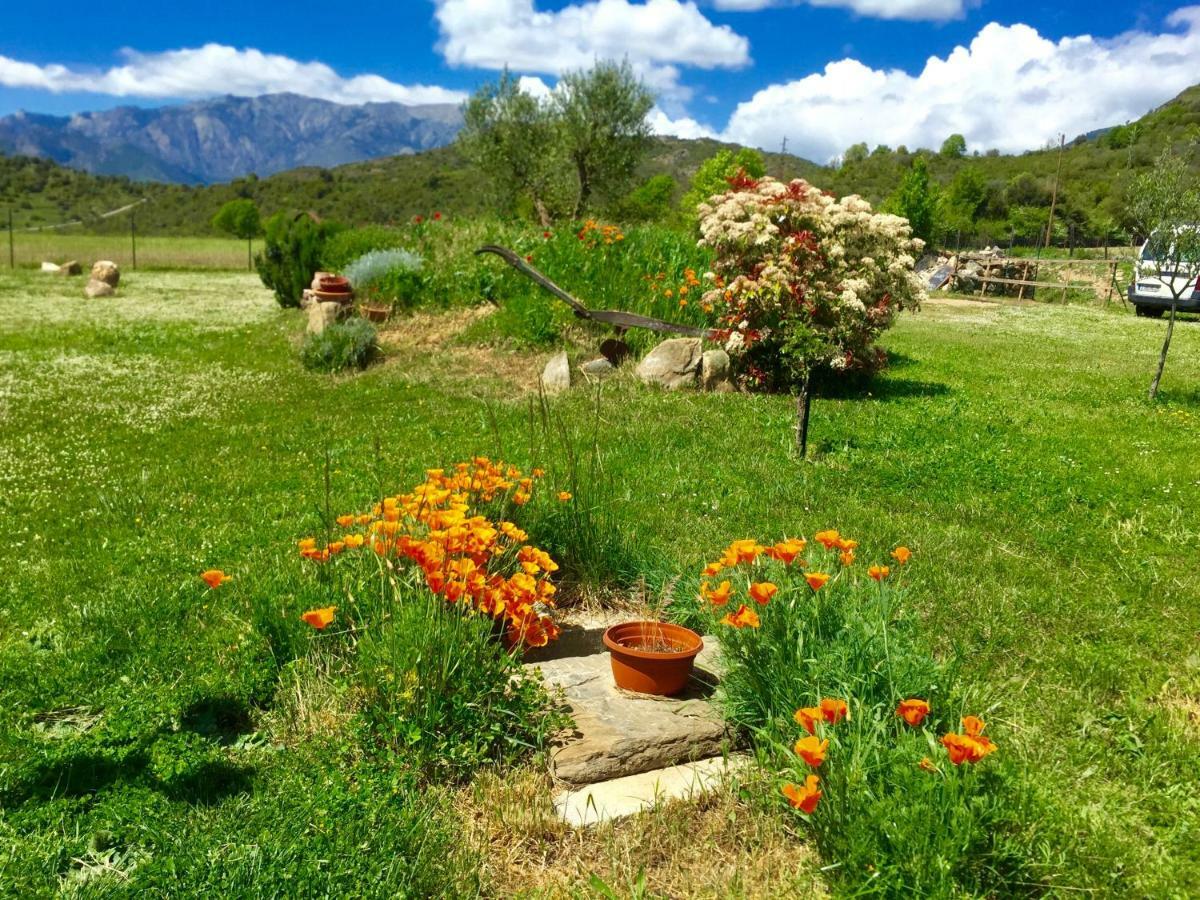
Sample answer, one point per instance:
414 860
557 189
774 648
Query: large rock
597 368
556 377
714 370
50 267
672 364
96 288
322 315
70 268
619 733
106 270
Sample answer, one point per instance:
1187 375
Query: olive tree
240 219
1166 207
511 136
601 117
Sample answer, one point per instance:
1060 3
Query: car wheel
1148 312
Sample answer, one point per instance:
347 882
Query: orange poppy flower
803 798
913 711
846 557
879 572
846 544
787 550
972 725
345 521
762 592
712 570
337 547
319 618
306 544
718 597
902 555
926 764
816 580
834 710
807 718
214 578
970 747
811 749
354 540
828 539
743 618
564 496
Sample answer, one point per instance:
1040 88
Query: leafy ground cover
156 740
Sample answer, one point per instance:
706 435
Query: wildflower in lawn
787 550
879 572
214 578
803 798
712 570
844 545
761 592
306 544
927 765
336 547
718 597
564 496
827 539
816 580
913 711
970 747
846 557
744 617
902 555
437 217
354 540
418 219
807 718
547 235
811 749
520 498
345 521
743 551
319 618
833 711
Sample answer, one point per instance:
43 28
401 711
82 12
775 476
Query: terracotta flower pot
334 284
652 657
373 312
342 297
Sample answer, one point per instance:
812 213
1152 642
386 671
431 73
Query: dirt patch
423 344
720 846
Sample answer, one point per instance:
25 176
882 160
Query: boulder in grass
714 370
597 368
95 288
49 267
673 364
106 270
556 377
70 268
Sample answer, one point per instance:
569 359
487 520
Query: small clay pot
334 284
342 297
374 313
662 671
316 281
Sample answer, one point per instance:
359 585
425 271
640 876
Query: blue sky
823 73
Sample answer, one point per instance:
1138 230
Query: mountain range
228 137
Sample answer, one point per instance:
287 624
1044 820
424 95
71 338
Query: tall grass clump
340 346
904 789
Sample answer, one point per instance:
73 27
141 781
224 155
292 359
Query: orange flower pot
652 657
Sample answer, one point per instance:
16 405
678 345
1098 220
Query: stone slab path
629 751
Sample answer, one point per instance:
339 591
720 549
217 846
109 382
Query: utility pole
1062 141
783 146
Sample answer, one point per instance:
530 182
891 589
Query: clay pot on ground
343 297
334 284
652 657
374 312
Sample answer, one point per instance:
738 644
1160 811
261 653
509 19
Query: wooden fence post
11 257
133 236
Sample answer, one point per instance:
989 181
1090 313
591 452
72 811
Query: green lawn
1052 512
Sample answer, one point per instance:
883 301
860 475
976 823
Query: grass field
150 739
32 248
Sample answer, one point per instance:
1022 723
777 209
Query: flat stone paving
619 733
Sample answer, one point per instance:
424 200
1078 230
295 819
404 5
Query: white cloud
661 123
1011 89
656 36
534 86
217 69
914 10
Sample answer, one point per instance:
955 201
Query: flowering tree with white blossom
803 283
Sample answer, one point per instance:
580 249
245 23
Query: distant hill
228 137
1013 190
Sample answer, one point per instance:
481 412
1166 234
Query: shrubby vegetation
341 346
294 248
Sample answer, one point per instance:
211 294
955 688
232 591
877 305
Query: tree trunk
249 254
1162 357
803 406
585 188
542 213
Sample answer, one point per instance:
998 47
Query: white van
1152 291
